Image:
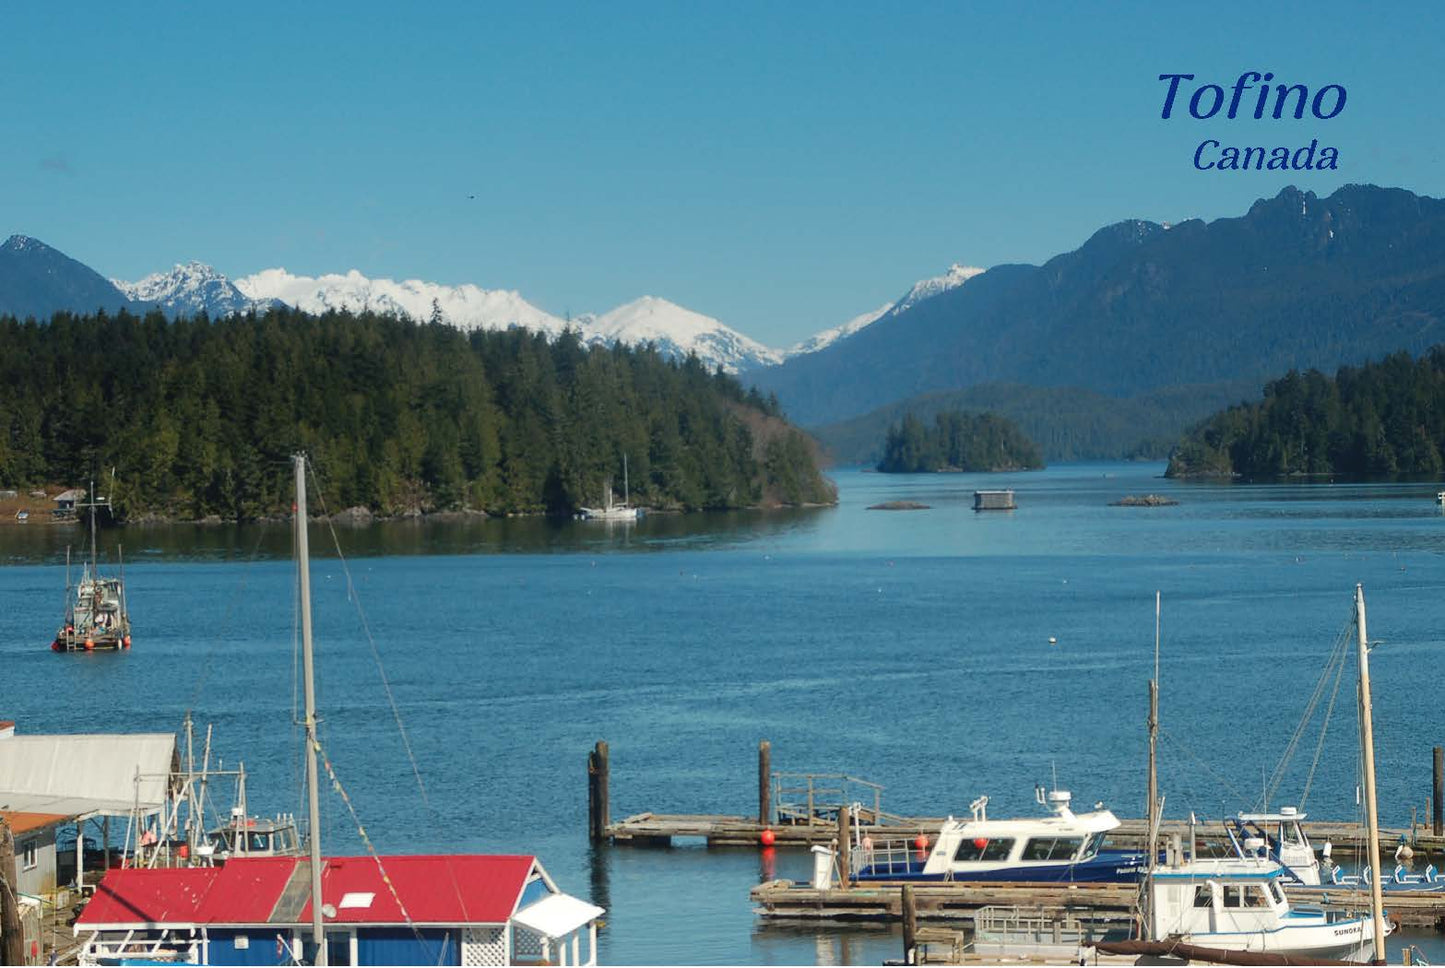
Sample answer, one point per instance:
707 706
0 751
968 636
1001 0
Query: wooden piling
845 843
1438 808
910 926
12 937
765 782
598 812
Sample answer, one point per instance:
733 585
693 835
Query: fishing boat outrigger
1062 847
96 617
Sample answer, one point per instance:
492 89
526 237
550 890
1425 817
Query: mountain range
37 280
1297 282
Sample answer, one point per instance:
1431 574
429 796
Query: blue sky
782 167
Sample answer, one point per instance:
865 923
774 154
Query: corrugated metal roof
435 889
84 773
23 822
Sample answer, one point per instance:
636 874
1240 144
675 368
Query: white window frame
30 855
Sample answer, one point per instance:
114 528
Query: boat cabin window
259 842
970 849
1292 836
1051 848
1254 896
1276 892
1233 896
1092 846
1203 896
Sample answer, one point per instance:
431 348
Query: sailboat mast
626 492
1154 720
313 798
94 551
1367 743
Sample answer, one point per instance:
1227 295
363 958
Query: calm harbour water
910 648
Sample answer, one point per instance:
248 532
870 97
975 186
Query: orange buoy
183 851
768 838
980 842
126 641
921 842
90 645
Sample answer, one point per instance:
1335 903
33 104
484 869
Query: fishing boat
1281 836
1198 908
610 511
1061 847
96 617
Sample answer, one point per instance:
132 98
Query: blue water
910 648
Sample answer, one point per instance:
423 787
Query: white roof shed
86 775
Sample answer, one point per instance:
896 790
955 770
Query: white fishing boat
1061 847
1238 904
610 511
1283 838
96 616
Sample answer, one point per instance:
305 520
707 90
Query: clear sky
781 166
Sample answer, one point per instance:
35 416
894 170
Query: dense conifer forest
958 441
1381 418
199 416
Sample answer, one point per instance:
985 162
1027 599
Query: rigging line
1277 776
355 597
1198 759
366 841
351 593
1324 727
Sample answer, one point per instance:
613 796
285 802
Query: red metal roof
435 889
133 896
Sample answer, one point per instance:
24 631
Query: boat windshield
1051 848
1092 845
981 849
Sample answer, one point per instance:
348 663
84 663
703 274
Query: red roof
435 889
131 896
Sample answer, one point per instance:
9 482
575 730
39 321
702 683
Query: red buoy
921 842
768 838
980 842
183 851
90 645
126 641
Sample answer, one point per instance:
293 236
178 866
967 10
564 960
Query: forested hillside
1381 418
958 441
198 417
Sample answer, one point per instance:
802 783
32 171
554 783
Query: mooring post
910 926
12 939
597 806
845 837
1438 809
765 782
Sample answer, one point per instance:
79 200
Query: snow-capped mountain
956 276
189 289
678 332
465 306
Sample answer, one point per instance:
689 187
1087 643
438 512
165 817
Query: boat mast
1154 722
94 551
303 561
1367 743
626 495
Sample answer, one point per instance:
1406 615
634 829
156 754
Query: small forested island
900 506
958 441
1147 501
198 416
1378 419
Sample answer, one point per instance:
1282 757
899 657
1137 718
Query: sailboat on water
96 616
610 511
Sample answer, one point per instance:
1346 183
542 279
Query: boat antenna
1154 721
1367 746
313 798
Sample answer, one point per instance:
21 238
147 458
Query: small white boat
609 511
1283 838
1239 904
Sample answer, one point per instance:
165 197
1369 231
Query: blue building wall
404 946
260 947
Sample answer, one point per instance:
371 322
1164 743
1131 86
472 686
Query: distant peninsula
958 441
1382 418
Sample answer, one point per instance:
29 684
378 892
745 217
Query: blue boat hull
1107 867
